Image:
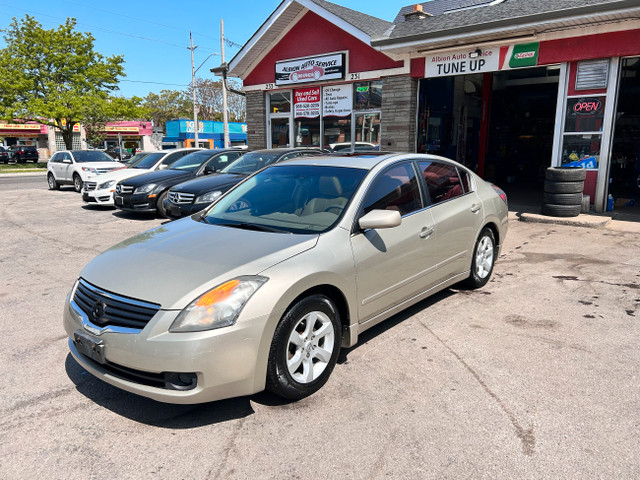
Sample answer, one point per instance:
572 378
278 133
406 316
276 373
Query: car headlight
208 197
108 184
219 307
90 170
145 188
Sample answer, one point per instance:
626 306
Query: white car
73 167
98 189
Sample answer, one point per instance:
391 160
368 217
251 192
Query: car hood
100 164
118 174
209 183
161 176
173 264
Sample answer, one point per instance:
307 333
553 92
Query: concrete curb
582 220
22 174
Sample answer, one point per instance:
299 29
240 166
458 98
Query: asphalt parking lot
537 375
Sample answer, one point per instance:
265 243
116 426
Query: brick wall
399 104
256 120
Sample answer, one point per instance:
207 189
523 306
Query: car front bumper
136 202
178 211
223 360
99 197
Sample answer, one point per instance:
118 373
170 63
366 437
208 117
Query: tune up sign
462 62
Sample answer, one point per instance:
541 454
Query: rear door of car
457 214
394 264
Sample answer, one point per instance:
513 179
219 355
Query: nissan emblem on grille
97 312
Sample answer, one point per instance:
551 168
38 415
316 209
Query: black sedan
146 193
192 196
5 155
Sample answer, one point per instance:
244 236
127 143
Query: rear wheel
77 183
305 348
51 181
484 257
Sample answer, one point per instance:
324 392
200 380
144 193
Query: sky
153 36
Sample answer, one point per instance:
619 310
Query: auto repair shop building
506 87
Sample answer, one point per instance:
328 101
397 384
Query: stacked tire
562 195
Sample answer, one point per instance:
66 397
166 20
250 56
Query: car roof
363 160
288 149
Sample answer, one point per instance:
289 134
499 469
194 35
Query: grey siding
399 103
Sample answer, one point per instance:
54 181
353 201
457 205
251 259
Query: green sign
524 55
362 89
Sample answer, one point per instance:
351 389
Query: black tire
77 183
308 375
483 260
565 174
563 187
160 204
553 210
51 182
562 198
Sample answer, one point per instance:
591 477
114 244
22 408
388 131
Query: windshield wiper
253 226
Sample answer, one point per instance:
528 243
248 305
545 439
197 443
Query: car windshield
192 161
147 160
91 156
303 199
252 162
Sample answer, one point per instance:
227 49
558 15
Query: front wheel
305 348
77 183
484 257
51 181
162 211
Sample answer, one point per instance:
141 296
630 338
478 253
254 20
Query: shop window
337 131
280 102
583 131
367 95
307 131
368 129
395 189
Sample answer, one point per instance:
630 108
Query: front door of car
457 214
394 264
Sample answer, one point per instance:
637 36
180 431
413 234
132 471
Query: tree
166 105
209 100
55 77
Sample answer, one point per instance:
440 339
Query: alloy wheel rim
310 347
484 257
51 181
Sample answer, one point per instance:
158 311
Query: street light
193 89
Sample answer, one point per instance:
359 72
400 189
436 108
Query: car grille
117 310
104 169
89 186
180 198
124 189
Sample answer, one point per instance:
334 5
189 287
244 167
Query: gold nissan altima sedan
262 289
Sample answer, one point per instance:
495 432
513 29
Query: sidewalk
582 220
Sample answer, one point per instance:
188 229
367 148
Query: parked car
5 155
146 193
119 154
99 189
73 167
192 196
265 286
23 153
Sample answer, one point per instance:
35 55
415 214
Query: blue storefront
180 133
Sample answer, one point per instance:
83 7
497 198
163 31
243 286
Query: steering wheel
240 204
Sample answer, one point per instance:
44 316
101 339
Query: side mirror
209 169
66 160
380 219
164 166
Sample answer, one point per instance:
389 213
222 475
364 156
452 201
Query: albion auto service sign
310 69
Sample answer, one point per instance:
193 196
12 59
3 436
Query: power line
155 83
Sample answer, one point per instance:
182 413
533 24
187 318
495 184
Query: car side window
55 158
394 189
65 156
443 181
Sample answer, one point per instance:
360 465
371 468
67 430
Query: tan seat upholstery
329 195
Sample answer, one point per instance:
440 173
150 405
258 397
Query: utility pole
225 117
193 93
